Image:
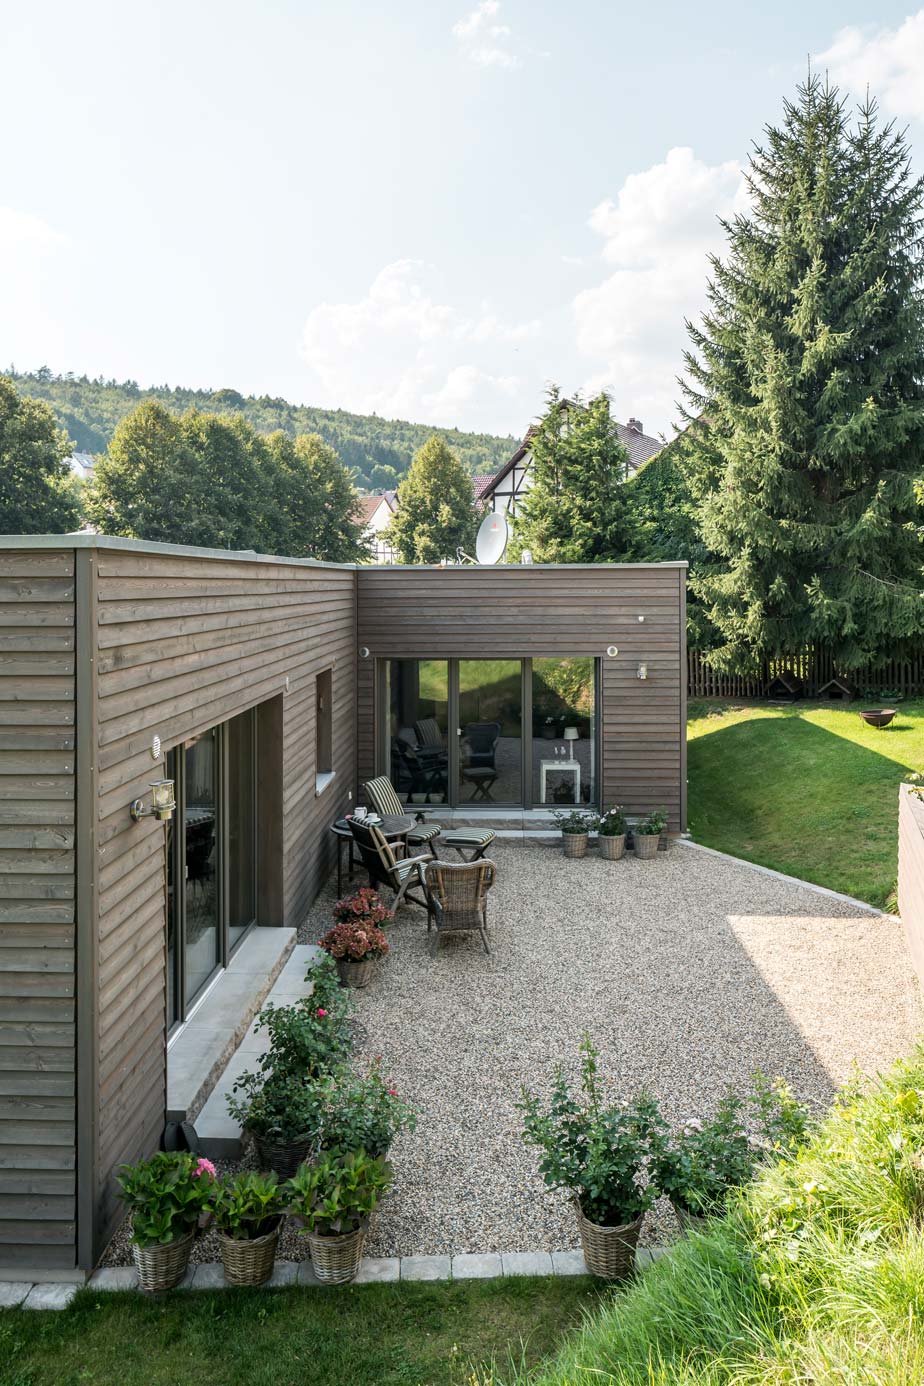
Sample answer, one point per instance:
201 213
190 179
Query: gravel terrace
689 972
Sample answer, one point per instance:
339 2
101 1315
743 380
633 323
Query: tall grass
815 1277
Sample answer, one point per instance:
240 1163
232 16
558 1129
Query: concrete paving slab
426 1267
50 1296
209 1276
477 1266
528 1263
378 1270
569 1263
13 1292
284 1273
114 1278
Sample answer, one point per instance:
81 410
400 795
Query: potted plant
248 1210
311 1036
334 1200
698 1165
611 833
600 1155
575 827
364 1112
166 1195
356 947
282 1112
646 835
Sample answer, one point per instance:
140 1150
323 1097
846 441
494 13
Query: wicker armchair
381 794
458 897
385 869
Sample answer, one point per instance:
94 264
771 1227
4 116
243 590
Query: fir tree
436 513
809 367
577 509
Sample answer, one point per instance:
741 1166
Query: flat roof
111 541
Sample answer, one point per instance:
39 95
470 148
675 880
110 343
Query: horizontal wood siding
536 611
911 873
184 643
37 950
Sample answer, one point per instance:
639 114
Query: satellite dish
492 539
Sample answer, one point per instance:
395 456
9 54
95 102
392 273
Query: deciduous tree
37 494
436 512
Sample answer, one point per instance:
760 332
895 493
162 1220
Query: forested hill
379 449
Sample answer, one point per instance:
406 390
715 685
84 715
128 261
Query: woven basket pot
609 1251
335 1260
282 1157
689 1222
646 845
612 847
357 973
163 1267
574 844
251 1262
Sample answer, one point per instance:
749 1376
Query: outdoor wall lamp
163 802
642 671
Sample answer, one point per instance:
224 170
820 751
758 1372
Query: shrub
573 822
247 1205
599 1154
310 1037
364 1112
612 822
354 940
652 824
339 1192
279 1107
165 1195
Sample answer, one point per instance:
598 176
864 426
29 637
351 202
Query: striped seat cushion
424 832
469 837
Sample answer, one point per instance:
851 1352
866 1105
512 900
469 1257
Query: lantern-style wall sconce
642 671
163 802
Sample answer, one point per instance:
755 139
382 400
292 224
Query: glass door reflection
490 731
200 825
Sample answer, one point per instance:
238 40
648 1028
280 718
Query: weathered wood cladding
184 643
533 611
37 913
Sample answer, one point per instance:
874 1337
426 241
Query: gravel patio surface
689 972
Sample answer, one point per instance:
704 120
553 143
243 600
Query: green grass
810 790
816 1278
369 1335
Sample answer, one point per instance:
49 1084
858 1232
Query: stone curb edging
373 1270
790 880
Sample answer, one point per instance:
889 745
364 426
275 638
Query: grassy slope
810 790
817 1279
370 1335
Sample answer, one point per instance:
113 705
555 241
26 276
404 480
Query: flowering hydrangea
364 905
354 940
204 1166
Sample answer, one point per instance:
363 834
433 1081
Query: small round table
394 827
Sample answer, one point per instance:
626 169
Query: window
323 750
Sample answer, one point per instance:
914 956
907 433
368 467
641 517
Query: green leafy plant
354 940
312 1036
598 1153
280 1107
165 1195
364 1112
611 823
338 1193
699 1164
573 822
652 824
247 1205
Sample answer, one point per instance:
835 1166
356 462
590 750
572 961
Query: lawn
368 1335
809 789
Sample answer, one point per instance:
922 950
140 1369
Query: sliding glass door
211 857
482 732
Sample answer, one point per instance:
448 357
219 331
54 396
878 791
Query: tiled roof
481 484
638 445
368 505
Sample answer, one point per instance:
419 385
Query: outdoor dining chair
381 794
428 732
402 875
458 898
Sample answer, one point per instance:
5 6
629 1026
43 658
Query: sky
428 210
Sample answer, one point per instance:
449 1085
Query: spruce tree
809 369
436 511
577 509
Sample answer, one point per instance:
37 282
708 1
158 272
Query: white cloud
657 236
890 62
23 230
483 40
402 352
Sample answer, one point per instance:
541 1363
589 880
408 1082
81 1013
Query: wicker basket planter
574 844
250 1262
609 1251
335 1260
689 1222
612 846
163 1267
357 973
282 1157
646 845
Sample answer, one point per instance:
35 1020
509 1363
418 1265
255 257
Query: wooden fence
815 668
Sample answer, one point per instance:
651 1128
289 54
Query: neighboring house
481 484
265 692
506 487
82 465
376 512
